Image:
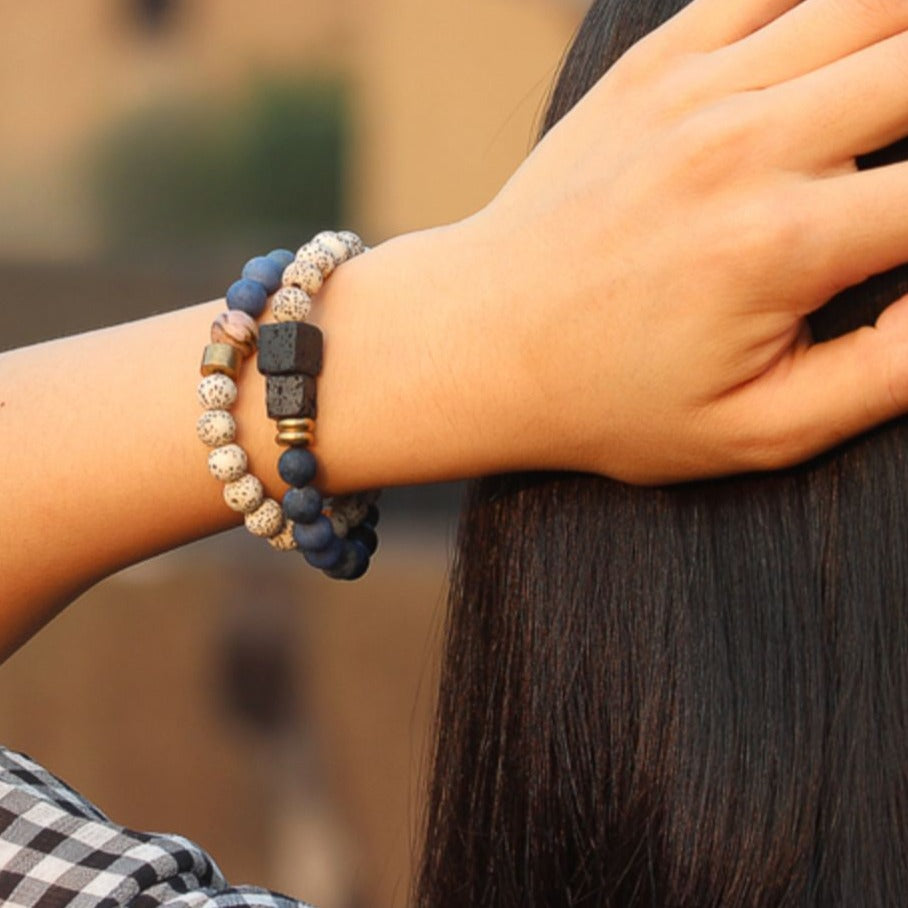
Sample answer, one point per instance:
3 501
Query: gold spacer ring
294 438
302 425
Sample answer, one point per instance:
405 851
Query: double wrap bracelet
336 535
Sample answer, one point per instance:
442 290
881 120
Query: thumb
841 387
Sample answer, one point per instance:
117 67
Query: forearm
102 467
99 467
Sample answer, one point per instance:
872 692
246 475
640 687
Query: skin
631 303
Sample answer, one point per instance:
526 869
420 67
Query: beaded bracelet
339 535
234 338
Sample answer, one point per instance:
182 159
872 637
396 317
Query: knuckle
773 228
714 142
757 444
885 365
774 450
884 18
873 9
763 237
882 387
673 80
762 449
636 64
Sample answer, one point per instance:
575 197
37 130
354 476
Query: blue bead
353 564
365 534
315 536
247 295
372 515
264 270
282 256
297 467
328 557
302 505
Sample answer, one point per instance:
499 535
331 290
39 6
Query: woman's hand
688 213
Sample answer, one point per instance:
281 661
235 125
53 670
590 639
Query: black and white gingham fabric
59 851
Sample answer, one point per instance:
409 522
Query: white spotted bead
266 520
317 256
284 541
244 494
217 392
338 524
304 275
353 243
290 304
323 237
216 428
334 245
324 261
314 253
305 255
227 463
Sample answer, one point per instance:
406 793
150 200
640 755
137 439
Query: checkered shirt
57 850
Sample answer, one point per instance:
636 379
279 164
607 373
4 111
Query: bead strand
337 536
234 338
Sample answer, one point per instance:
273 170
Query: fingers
832 68
848 108
810 36
854 225
836 389
705 25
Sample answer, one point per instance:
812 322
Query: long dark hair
692 696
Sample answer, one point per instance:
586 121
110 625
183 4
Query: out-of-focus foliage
188 177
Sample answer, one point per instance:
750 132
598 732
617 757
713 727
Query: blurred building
278 719
444 95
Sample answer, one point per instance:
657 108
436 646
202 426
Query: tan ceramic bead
304 275
227 463
290 304
244 494
238 329
217 392
216 428
284 541
266 520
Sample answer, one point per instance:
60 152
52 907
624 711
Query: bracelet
234 338
336 536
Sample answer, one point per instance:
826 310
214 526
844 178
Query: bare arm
632 303
102 467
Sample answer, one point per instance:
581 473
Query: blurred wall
278 719
446 95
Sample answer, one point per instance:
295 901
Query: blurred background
149 148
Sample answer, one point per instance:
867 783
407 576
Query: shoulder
56 848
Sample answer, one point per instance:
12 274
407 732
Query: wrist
411 387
